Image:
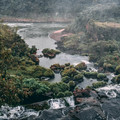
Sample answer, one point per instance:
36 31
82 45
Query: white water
60 103
111 90
18 112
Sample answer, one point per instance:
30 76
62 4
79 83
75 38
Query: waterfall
61 103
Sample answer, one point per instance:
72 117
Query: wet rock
50 115
38 106
112 109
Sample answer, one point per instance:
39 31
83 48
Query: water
112 91
61 103
38 34
19 112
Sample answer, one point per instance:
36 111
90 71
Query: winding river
38 34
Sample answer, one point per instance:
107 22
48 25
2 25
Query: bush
90 74
102 76
71 84
68 93
117 79
69 72
108 67
66 79
99 84
81 66
33 50
49 73
117 70
60 94
78 77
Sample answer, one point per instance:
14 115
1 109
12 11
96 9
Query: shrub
78 77
81 66
90 74
102 76
117 70
49 73
60 94
99 84
33 50
117 79
66 79
68 93
69 72
108 67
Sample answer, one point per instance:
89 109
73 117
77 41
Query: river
38 34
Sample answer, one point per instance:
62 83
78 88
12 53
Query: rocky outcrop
50 53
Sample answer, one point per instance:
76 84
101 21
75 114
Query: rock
34 58
50 53
38 106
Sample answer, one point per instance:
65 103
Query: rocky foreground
90 105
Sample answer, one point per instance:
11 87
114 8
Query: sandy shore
57 35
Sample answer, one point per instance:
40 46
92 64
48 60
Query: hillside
42 8
95 33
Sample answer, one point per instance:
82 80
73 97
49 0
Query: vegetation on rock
50 53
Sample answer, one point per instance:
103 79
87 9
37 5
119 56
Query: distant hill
38 8
102 10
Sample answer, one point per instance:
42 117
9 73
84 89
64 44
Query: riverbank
36 20
57 36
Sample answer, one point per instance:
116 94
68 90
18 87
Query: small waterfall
61 103
19 112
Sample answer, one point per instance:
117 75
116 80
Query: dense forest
38 8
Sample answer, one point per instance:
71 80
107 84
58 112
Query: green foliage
71 84
71 72
68 93
58 87
117 70
90 74
33 50
78 77
99 84
51 53
108 67
81 66
65 79
35 86
117 79
39 72
101 76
